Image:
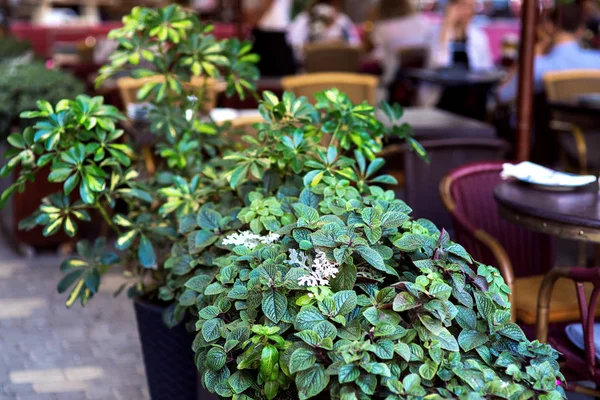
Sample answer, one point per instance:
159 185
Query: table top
431 123
574 214
454 77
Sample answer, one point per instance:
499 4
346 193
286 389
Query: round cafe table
569 215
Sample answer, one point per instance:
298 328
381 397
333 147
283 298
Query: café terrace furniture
577 365
332 57
432 123
358 87
522 256
574 120
471 86
422 180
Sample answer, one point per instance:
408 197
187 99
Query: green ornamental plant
81 142
328 288
23 84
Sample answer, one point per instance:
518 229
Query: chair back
129 87
468 193
422 179
358 87
332 57
566 85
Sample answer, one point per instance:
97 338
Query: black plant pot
168 357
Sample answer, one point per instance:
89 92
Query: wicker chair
576 365
522 256
332 57
129 87
572 129
358 87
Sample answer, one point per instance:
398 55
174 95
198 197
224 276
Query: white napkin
534 173
575 334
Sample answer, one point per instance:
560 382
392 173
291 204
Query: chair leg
149 160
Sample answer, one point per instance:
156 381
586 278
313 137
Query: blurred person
322 23
459 45
591 15
557 50
270 20
398 26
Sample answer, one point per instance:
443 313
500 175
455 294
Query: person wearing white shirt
322 22
398 27
457 44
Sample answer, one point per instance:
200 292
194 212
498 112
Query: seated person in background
398 26
270 20
565 29
322 23
462 46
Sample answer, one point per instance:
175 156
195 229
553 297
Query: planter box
168 357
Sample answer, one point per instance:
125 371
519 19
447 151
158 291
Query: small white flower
250 239
270 238
321 269
298 258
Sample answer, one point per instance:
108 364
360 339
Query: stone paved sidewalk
48 352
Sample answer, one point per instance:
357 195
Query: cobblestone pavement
48 352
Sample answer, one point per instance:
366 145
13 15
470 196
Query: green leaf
269 360
469 340
384 349
345 301
240 381
428 370
308 317
405 301
309 337
345 278
198 241
146 253
211 329
68 280
312 381
215 358
274 305
348 373
301 360
374 258
367 383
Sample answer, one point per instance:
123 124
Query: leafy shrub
11 47
81 142
22 85
330 288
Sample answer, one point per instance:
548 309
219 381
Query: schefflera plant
81 142
330 289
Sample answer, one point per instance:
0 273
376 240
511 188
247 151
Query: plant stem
107 218
337 128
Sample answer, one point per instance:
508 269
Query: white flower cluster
250 239
321 269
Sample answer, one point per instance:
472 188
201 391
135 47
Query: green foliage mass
82 143
408 315
22 85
